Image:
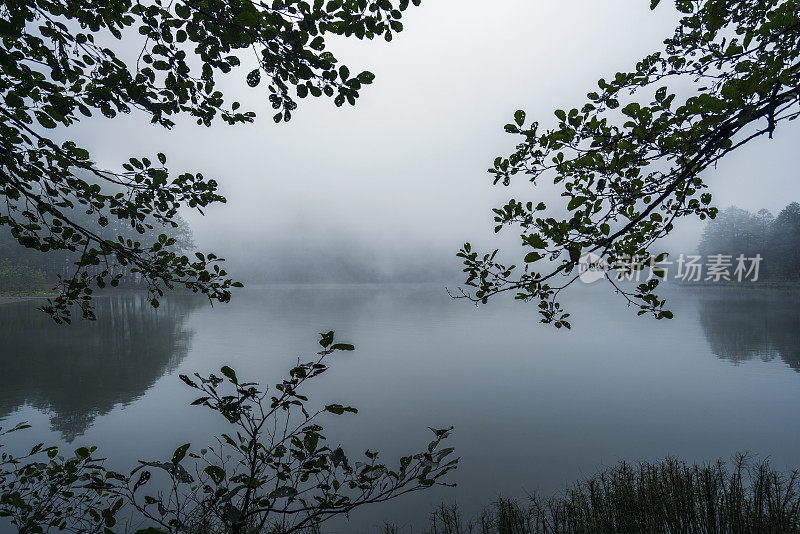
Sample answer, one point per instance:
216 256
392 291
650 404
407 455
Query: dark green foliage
272 472
44 491
631 160
649 498
62 61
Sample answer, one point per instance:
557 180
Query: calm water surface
533 408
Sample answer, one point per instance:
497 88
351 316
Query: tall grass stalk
668 496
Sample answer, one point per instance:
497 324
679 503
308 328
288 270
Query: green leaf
45 120
575 203
180 453
575 252
254 78
216 473
338 409
536 241
366 77
326 339
310 441
318 43
188 381
228 372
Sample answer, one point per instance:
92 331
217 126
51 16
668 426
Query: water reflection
79 372
751 325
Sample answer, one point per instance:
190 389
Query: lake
534 408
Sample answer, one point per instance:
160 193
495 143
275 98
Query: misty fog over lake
195 195
533 409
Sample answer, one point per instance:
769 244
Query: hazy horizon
400 179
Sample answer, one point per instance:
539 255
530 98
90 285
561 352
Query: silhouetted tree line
25 269
777 239
17 278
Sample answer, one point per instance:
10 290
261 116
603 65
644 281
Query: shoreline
725 286
766 284
11 299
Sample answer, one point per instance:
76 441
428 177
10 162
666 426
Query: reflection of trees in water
79 372
761 325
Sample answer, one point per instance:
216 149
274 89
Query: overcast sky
406 168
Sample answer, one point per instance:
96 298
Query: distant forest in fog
270 261
777 239
735 231
339 261
24 269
